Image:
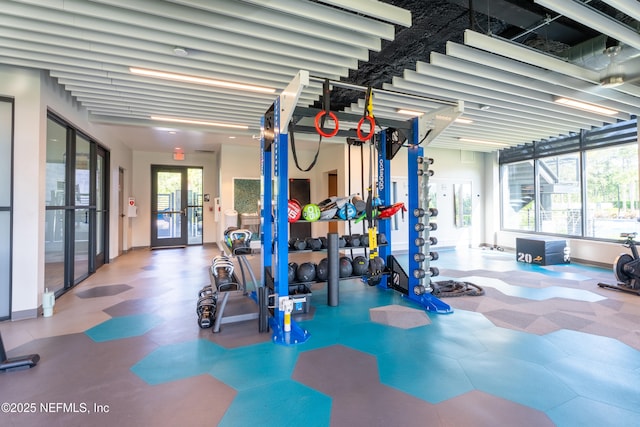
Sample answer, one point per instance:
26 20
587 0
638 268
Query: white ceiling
88 47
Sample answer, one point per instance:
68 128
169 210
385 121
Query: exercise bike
626 268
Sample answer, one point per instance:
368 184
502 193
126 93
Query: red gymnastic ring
319 128
372 126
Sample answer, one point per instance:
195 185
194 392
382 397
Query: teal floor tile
280 404
595 348
434 379
178 361
601 381
586 412
256 365
123 327
519 345
517 380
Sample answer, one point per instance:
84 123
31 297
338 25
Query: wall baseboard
25 314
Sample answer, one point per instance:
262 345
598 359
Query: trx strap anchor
326 110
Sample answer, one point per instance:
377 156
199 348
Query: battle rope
454 288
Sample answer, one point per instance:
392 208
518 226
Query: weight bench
16 363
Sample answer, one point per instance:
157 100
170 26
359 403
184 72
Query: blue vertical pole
281 235
427 300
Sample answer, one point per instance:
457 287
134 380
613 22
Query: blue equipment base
431 303
296 336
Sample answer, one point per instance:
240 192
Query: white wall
28 192
141 191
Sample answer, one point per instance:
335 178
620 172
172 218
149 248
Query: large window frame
6 207
72 211
574 209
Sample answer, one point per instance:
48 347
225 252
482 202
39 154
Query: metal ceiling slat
628 7
528 56
527 101
117 44
521 133
140 99
586 15
182 34
152 18
375 9
532 71
161 111
124 81
316 24
543 87
329 16
107 61
418 88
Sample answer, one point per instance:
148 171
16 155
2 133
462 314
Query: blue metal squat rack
274 167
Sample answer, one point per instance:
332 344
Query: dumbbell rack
237 287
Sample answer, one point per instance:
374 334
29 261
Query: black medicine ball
306 272
346 268
322 270
360 265
291 274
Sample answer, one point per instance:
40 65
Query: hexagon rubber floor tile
177 361
123 327
283 403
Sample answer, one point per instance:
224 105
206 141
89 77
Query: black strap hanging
319 122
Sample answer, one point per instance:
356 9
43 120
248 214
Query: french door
176 206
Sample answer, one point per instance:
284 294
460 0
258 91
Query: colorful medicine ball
348 211
311 212
294 210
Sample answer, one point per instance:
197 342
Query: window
6 179
612 191
583 184
560 194
518 196
75 182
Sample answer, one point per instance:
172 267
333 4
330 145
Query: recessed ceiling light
198 122
180 51
481 141
232 137
172 132
200 80
585 106
484 107
409 112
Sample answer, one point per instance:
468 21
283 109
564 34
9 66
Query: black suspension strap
319 123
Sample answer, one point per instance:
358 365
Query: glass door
101 207
168 206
